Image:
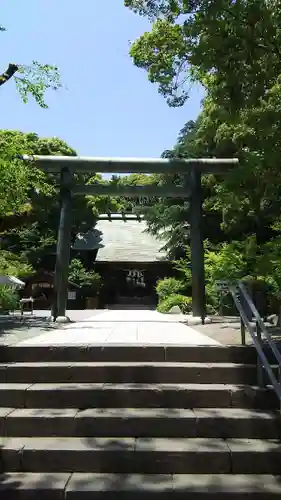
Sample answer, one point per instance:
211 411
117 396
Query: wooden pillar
196 246
63 248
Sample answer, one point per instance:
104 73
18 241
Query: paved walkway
123 327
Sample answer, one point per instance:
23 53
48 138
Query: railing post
63 248
279 379
243 331
260 370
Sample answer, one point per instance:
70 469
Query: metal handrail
262 357
260 322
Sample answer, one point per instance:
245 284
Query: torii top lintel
130 165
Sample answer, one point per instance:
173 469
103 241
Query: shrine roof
121 239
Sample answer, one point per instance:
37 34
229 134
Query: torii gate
190 168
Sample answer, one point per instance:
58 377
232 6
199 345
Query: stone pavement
15 328
143 327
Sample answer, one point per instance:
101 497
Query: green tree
235 45
248 196
32 80
30 205
168 218
88 280
232 49
18 181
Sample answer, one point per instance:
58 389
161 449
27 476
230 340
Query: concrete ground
121 325
139 327
14 327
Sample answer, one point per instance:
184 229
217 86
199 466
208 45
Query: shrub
169 286
9 298
182 301
227 261
90 281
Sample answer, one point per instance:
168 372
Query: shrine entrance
190 169
132 283
133 287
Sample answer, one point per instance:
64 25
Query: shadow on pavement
15 323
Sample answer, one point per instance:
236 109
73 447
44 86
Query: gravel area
223 332
226 330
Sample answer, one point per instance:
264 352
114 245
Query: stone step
79 486
139 422
141 455
129 372
83 396
130 353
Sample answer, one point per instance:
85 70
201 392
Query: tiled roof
121 241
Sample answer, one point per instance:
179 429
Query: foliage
226 262
9 298
169 286
245 201
130 204
29 199
183 302
18 180
32 80
28 196
257 265
13 265
168 291
233 50
247 197
163 53
233 45
83 278
102 204
168 218
183 268
35 80
268 265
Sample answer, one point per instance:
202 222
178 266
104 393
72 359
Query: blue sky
109 107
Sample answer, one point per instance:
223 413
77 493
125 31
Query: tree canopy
29 198
232 45
233 50
19 181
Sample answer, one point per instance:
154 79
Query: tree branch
9 73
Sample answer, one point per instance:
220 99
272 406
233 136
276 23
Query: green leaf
35 80
32 80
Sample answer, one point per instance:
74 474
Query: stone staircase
130 422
